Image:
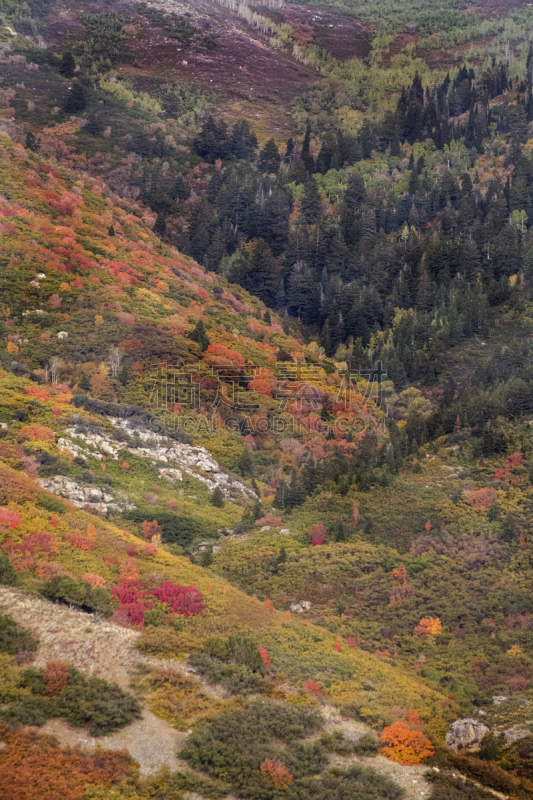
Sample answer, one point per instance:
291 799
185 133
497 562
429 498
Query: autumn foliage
403 745
55 677
428 626
10 518
34 767
279 774
318 534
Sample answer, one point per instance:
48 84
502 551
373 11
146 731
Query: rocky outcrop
299 608
158 449
465 734
94 497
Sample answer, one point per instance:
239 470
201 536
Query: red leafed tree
350 641
427 526
280 776
151 529
403 745
318 534
355 514
55 677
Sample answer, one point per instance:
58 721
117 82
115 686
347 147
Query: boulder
465 734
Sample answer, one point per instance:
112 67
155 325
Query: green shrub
232 747
66 590
14 638
92 701
367 745
52 504
8 576
235 678
85 701
29 710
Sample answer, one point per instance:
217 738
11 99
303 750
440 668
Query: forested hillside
266 396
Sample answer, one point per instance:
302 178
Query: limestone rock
465 734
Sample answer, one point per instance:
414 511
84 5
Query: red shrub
312 688
405 745
80 542
11 518
264 656
185 600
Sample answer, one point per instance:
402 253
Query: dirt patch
152 742
411 779
398 46
100 648
332 29
251 78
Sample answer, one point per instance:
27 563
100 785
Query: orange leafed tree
151 529
403 745
428 626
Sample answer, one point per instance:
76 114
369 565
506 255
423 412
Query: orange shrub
37 433
129 570
38 392
93 579
55 677
279 774
34 767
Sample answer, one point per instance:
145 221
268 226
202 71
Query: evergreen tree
217 498
311 204
181 190
200 336
212 141
33 142
242 142
269 158
68 65
76 100
111 231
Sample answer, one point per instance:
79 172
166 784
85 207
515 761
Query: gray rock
515 733
465 734
498 699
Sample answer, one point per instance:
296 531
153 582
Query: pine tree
181 190
200 336
76 100
217 498
33 142
311 204
68 65
111 231
269 158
